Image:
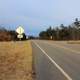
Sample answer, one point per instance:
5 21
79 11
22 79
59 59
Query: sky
37 15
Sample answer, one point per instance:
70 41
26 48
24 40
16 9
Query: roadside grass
15 61
74 42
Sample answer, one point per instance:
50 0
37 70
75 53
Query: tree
43 35
49 32
71 32
76 29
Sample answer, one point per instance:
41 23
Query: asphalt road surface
56 60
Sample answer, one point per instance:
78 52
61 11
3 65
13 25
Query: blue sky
37 15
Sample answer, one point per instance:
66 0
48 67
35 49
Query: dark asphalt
69 61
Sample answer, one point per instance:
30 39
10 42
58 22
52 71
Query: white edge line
61 70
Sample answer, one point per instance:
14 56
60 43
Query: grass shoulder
15 60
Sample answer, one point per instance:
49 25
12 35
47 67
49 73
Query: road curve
53 62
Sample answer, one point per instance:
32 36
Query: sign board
20 36
20 30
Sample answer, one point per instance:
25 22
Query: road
56 60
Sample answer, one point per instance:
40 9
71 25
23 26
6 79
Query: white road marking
61 70
69 49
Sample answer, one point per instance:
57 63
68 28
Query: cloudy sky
37 15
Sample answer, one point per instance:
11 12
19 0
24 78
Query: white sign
20 30
20 36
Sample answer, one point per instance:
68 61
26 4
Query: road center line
59 68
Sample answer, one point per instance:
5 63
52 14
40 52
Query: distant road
56 60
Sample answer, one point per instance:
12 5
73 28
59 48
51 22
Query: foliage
62 32
9 35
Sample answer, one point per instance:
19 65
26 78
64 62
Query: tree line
62 32
9 35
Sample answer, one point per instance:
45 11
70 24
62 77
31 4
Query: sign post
51 37
20 32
